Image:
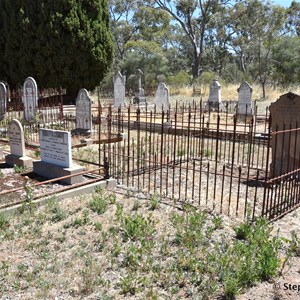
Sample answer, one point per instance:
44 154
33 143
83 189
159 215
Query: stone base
244 118
215 106
80 131
1 154
52 171
20 161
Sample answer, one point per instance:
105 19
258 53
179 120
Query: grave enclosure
185 152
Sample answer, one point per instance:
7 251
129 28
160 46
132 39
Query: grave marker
119 90
17 154
285 113
214 99
83 112
3 98
55 147
56 157
162 98
140 93
30 98
244 99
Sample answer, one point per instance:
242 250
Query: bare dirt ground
67 251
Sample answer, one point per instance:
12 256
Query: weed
180 152
19 169
98 203
217 221
58 214
136 205
136 227
154 202
4 223
98 226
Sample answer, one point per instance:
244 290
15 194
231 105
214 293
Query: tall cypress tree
61 43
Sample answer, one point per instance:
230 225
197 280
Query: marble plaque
56 148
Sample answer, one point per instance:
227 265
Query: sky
285 3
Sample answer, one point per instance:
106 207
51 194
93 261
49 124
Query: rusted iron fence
213 159
216 160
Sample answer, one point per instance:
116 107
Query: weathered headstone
17 154
30 98
56 157
162 98
1 154
244 99
140 93
214 99
3 99
285 113
83 112
119 90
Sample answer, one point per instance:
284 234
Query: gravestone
285 113
244 99
56 157
140 93
17 154
3 98
119 90
214 99
162 98
30 98
83 112
1 154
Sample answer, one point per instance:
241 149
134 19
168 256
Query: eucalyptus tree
194 17
257 27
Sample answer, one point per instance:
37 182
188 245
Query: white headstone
3 97
244 99
215 92
30 98
16 138
83 110
119 90
162 98
56 147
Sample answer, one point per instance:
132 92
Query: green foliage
101 200
73 37
137 227
181 79
19 169
4 223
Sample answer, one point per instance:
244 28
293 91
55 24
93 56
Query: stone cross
119 90
3 98
30 98
83 111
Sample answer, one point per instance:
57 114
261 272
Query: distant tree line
74 43
189 40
